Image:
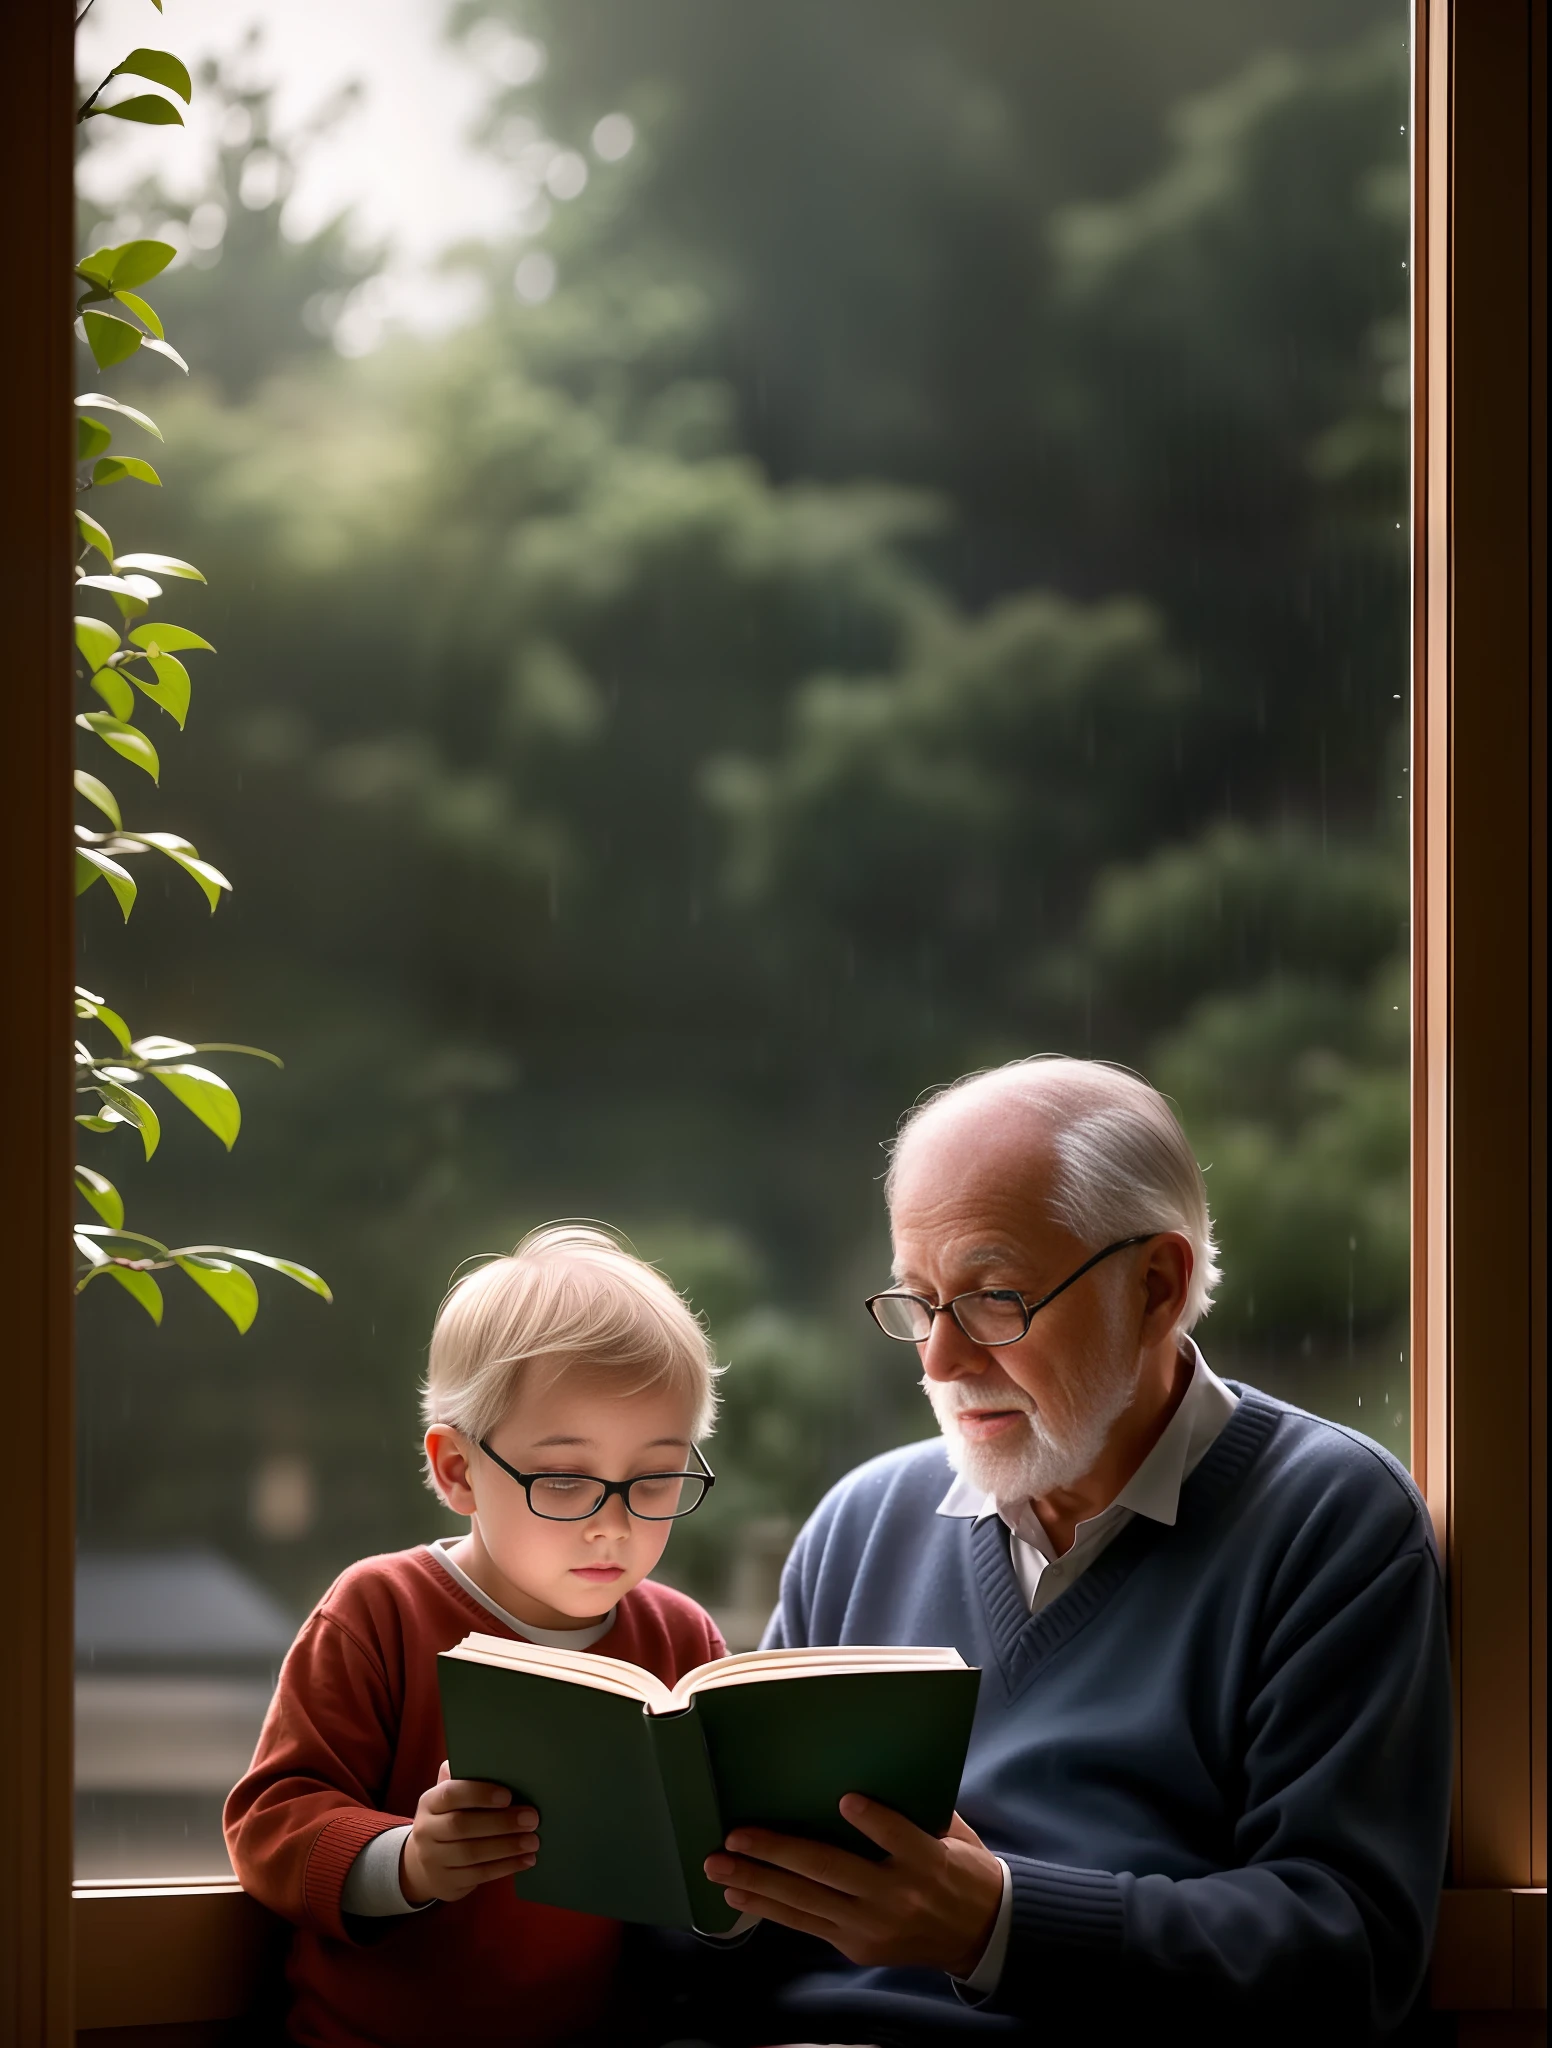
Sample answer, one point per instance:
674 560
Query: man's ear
1167 1282
447 1454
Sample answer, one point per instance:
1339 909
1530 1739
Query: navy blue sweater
1218 1765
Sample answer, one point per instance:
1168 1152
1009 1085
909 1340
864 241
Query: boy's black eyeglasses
575 1496
989 1316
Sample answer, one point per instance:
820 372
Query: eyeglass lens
655 1497
990 1316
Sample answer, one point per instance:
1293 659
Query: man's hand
932 1903
466 1834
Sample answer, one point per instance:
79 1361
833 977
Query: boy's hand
466 1833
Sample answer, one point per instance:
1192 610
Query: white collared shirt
1153 1491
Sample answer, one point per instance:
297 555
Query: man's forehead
971 1192
969 1260
975 1150
973 1226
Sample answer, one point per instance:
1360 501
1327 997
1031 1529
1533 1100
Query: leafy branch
126 667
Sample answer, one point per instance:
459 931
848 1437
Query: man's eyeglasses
989 1316
576 1496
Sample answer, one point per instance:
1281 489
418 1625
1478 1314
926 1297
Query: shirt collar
1154 1488
550 1638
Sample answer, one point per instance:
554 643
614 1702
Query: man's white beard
1045 1452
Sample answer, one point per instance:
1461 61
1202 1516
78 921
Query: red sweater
352 1738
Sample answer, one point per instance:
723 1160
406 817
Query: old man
1209 1780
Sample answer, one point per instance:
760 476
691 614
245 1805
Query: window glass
761 558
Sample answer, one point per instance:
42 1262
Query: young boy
564 1366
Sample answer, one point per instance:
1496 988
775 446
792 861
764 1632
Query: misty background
760 558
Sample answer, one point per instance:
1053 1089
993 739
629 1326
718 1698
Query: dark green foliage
929 587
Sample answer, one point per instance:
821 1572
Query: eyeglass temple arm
1121 1244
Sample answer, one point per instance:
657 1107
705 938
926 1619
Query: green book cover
636 1785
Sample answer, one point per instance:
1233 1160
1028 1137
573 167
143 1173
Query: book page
575 1667
833 1661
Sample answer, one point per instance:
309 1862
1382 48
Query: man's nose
948 1354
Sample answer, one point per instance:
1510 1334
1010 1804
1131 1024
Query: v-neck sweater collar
1024 1641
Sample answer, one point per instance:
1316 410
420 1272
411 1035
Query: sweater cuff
1056 1909
334 1850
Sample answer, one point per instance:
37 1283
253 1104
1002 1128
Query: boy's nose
612 1519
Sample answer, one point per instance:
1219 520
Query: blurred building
176 1656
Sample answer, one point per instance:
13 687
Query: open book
637 1782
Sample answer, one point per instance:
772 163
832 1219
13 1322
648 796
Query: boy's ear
448 1457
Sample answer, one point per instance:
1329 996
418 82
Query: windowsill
175 1951
169 1952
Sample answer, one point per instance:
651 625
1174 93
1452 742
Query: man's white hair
1123 1163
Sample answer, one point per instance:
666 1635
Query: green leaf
97 537
142 311
130 593
304 1276
210 879
159 565
97 268
103 1196
140 1285
158 1048
253 1051
161 67
148 107
88 1247
133 1108
110 339
97 1232
91 437
229 1287
117 584
98 793
113 469
99 1123
160 639
125 739
165 348
171 688
88 1005
114 692
204 1095
90 862
138 262
130 412
95 640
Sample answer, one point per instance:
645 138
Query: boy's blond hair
568 1298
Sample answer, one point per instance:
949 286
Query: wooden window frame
1479 1329
174 1963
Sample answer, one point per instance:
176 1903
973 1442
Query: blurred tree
872 619
252 298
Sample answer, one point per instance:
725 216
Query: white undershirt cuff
987 1974
371 1887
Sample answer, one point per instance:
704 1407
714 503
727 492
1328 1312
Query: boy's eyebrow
584 1443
